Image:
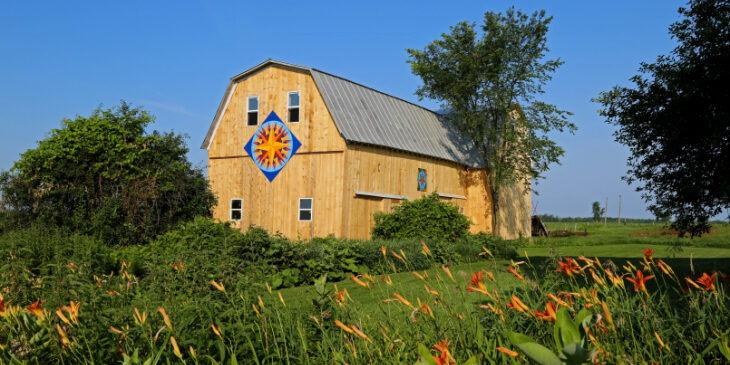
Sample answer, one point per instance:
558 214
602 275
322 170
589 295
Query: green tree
597 211
676 120
104 175
488 84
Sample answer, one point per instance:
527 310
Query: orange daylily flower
165 318
549 314
444 357
640 281
515 273
559 301
399 257
447 271
430 290
424 307
518 305
344 328
649 253
424 249
175 348
340 298
664 267
569 267
73 310
387 280
360 334
419 275
36 309
177 266
597 279
218 285
476 284
708 281
383 250
404 301
692 282
661 343
64 337
139 318
485 251
507 351
359 282
607 315
617 280
216 330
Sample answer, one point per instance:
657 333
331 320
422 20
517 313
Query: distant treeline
554 218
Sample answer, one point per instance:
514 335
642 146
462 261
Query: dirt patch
564 233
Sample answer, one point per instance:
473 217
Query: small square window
236 209
253 111
305 209
293 107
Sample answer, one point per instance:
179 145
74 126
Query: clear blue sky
61 59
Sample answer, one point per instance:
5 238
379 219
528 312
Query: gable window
253 110
293 107
236 209
305 209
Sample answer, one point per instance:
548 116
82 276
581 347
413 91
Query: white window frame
230 216
290 107
300 209
258 107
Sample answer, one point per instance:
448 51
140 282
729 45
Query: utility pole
619 208
605 213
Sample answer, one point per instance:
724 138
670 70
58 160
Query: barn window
236 209
253 110
293 106
305 209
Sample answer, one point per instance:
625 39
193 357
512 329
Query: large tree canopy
488 84
676 120
105 175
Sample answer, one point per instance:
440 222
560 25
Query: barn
308 154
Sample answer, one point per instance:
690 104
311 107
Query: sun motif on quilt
272 146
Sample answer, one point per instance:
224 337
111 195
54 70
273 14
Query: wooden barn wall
514 212
315 171
513 218
379 170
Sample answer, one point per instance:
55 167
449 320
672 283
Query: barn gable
367 116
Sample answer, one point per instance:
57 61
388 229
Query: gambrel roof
366 116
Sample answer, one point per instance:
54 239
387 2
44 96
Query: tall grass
93 316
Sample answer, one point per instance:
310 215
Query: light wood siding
380 170
315 171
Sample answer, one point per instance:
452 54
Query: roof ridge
374 89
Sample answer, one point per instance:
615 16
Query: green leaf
574 354
426 357
565 331
539 353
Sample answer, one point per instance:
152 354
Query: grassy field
632 233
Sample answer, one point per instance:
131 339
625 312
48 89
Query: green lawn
632 233
410 286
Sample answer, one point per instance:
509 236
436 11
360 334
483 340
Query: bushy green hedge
427 217
184 261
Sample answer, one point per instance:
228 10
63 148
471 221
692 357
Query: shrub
105 175
427 217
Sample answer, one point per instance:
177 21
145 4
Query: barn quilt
272 146
422 179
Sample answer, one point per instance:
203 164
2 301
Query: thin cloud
173 108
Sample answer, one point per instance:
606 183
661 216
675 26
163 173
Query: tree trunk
495 191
